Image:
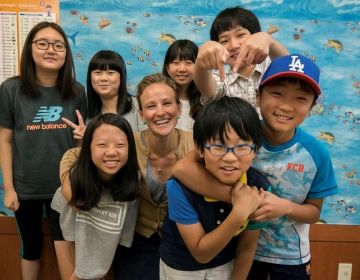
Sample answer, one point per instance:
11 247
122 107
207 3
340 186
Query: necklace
167 164
162 168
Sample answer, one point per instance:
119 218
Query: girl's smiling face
181 71
109 150
106 83
48 60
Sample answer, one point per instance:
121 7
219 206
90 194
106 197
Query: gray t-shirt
40 137
97 232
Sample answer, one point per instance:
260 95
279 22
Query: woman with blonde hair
158 148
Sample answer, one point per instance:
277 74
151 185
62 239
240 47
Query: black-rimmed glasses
239 150
44 45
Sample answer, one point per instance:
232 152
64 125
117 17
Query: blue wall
326 31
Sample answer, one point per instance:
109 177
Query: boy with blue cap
297 165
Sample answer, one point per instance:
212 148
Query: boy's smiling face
284 106
228 168
232 40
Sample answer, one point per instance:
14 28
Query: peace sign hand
79 130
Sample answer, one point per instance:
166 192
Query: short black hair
219 114
292 80
233 17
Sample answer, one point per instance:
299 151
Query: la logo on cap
296 64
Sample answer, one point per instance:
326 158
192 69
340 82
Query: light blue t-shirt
297 170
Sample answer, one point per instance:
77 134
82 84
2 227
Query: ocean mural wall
328 32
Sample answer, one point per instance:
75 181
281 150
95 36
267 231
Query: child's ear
312 106
253 155
201 153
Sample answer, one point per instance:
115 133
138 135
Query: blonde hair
156 78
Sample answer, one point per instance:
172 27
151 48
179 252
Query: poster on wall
328 32
17 17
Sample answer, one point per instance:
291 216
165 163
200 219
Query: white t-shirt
185 121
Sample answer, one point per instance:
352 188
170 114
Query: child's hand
246 199
212 55
79 130
270 208
254 50
11 200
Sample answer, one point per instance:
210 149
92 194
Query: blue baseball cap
293 65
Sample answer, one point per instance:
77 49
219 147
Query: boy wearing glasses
297 165
199 233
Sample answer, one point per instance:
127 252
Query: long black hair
108 60
86 184
66 79
184 50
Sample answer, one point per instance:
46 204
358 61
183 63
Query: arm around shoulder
193 174
273 207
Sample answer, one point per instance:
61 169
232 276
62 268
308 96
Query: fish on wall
327 33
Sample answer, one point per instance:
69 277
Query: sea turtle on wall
327 136
166 37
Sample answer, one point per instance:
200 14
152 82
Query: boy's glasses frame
238 150
43 45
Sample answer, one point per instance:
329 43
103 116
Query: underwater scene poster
328 32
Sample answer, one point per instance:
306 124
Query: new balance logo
296 64
46 114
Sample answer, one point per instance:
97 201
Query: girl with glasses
33 137
43 44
